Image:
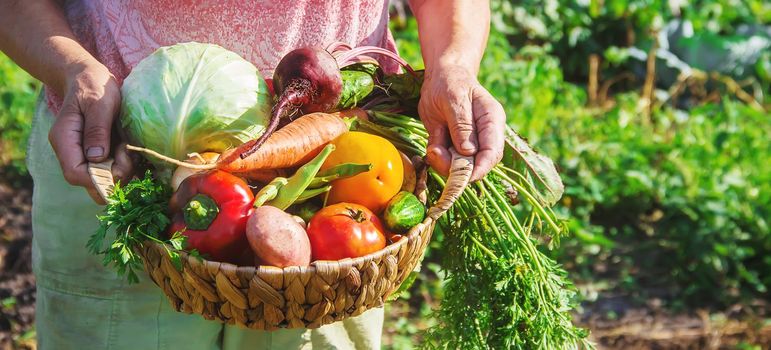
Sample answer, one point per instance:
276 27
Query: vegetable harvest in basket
343 178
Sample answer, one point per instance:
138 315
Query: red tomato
345 230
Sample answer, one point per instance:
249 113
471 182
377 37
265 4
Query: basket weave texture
270 298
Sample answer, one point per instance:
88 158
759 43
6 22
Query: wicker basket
270 298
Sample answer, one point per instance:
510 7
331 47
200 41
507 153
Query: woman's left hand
459 112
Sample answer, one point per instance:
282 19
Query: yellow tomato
374 188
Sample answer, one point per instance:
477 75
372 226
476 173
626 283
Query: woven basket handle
458 179
101 177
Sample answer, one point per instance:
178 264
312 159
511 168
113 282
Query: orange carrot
293 145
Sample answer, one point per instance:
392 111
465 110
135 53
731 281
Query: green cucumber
403 212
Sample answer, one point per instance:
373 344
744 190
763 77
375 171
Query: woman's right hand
83 128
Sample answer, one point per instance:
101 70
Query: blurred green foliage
682 202
657 199
680 198
572 30
18 92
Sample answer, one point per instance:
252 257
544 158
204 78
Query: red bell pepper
211 209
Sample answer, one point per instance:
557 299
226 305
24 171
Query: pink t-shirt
120 33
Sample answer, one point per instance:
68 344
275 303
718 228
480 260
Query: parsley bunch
134 214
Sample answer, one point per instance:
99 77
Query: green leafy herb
135 213
358 82
540 167
404 86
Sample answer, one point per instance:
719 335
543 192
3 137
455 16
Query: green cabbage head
193 97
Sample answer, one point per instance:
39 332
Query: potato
277 239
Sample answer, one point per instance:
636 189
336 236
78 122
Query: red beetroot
308 80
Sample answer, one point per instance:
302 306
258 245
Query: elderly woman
83 49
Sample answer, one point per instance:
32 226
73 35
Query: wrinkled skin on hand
82 131
459 112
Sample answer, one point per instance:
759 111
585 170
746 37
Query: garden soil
17 284
615 322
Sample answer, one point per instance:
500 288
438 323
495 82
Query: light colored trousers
83 305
